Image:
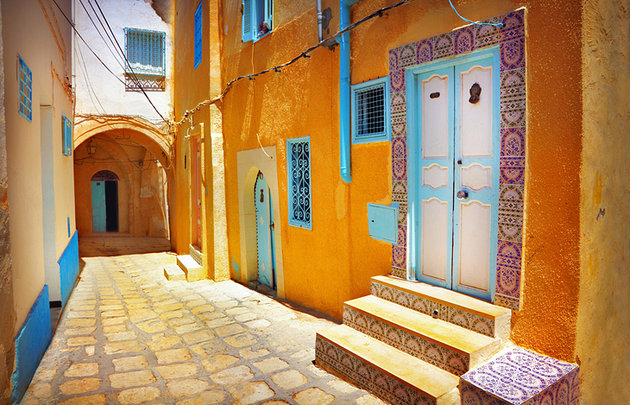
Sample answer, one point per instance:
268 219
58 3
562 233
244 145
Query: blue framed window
198 32
66 136
256 19
370 111
299 181
25 90
145 52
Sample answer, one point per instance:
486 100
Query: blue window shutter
269 13
66 131
246 21
198 34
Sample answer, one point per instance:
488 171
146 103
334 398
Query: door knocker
475 92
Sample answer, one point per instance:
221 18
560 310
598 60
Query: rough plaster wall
7 317
603 347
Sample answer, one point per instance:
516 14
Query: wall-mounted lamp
91 149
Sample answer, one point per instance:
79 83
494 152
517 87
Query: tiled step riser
337 361
452 315
442 357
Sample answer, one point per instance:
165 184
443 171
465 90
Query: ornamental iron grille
299 173
145 52
25 95
370 122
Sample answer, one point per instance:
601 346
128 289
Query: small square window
299 181
66 136
198 32
25 91
370 111
256 19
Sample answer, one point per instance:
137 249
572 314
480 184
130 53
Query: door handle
462 194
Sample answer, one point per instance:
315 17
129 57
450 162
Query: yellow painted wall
603 339
26 31
334 261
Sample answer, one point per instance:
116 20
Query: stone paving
129 336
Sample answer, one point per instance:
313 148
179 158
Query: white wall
26 30
98 92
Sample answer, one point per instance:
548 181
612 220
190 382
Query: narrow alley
130 336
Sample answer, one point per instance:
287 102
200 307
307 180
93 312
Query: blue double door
265 233
104 206
456 124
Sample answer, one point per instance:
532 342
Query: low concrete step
387 372
173 272
440 343
192 269
450 306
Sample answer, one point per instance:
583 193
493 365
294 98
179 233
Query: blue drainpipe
344 90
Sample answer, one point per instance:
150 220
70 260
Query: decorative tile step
383 370
519 376
440 343
173 272
192 269
451 306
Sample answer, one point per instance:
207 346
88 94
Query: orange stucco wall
333 262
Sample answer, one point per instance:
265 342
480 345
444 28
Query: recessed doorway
105 202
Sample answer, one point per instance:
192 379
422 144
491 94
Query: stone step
173 272
192 269
450 306
389 373
440 343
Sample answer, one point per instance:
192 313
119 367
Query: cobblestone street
129 336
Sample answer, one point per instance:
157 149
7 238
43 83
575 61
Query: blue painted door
458 176
264 226
98 206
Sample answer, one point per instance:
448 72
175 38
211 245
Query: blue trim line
31 343
344 93
69 268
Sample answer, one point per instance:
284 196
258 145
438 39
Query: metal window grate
299 182
198 32
145 51
370 111
25 94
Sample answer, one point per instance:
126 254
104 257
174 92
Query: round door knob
462 194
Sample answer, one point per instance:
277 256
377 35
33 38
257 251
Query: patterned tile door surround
511 41
520 376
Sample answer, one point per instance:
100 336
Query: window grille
198 36
66 136
145 52
299 182
25 92
256 19
370 111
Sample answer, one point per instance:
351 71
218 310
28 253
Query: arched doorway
264 233
105 201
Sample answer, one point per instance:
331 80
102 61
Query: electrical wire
133 74
474 22
277 68
74 28
101 35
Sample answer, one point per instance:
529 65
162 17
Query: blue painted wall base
31 344
69 268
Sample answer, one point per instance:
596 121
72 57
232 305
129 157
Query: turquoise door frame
99 213
264 226
418 192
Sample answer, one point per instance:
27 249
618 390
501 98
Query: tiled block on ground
519 376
